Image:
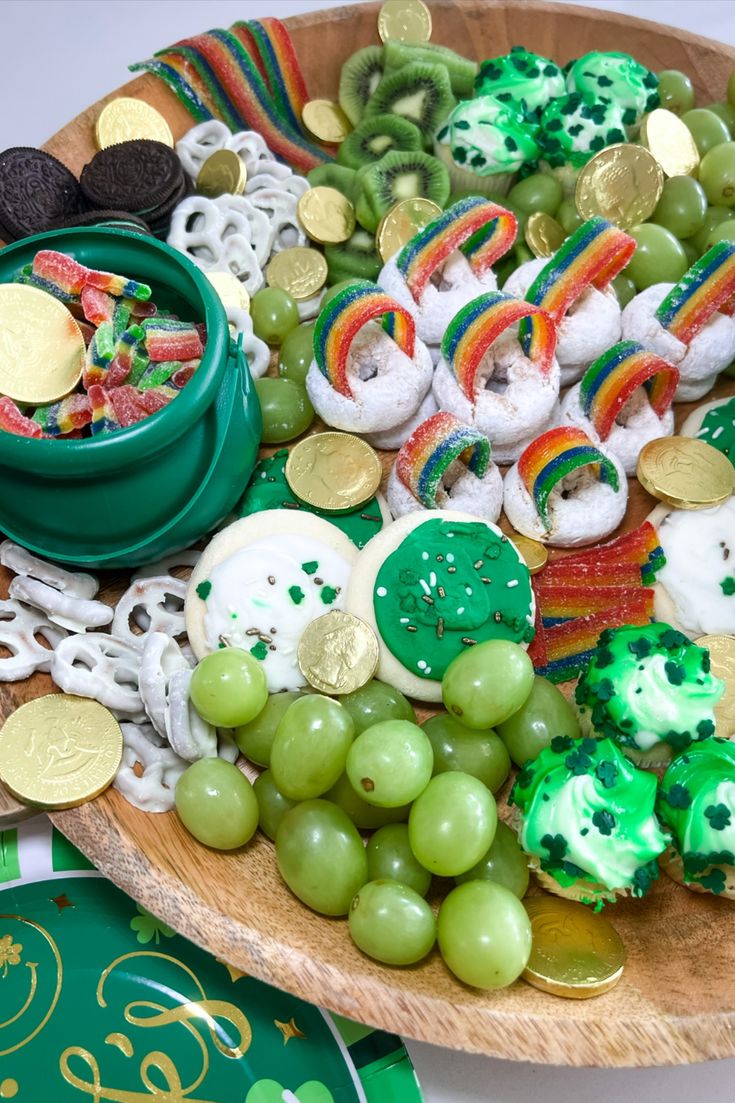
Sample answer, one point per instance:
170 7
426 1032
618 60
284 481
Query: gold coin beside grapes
622 183
576 953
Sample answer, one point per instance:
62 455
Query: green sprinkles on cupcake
522 79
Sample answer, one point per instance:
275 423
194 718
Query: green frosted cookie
521 78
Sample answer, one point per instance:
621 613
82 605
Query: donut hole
449 481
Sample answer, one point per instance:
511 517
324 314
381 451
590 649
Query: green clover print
270 1091
149 927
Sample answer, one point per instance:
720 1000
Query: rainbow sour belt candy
708 286
553 456
426 455
61 418
610 381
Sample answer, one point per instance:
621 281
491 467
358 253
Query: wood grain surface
676 1002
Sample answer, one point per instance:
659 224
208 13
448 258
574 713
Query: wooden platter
676 1002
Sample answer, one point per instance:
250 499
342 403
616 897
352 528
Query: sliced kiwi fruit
418 92
401 174
355 258
335 176
375 137
361 75
461 70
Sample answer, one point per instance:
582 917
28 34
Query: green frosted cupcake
571 131
484 143
615 78
522 79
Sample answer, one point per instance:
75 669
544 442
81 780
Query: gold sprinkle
440 627
253 632
478 564
451 570
468 639
484 578
272 579
427 599
411 628
441 591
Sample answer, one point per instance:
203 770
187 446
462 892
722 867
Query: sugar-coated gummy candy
170 339
13 421
98 306
67 416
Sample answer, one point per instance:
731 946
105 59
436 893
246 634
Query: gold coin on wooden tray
335 472
722 659
338 653
685 472
575 953
41 346
300 271
126 119
623 183
543 234
327 216
59 751
670 141
404 21
326 121
402 222
223 173
230 290
535 555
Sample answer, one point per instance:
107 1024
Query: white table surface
60 56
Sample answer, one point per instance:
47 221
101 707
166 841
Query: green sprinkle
718 816
260 651
328 594
296 594
728 586
311 567
204 589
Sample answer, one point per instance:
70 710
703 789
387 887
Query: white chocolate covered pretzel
155 605
75 613
22 562
191 737
161 658
102 667
19 628
149 769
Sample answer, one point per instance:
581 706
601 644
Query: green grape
537 192
690 252
256 738
272 805
274 314
365 816
676 91
522 253
568 216
658 258
320 856
731 89
334 290
480 753
389 855
717 173
715 217
286 409
297 353
310 746
374 702
724 232
545 714
228 687
484 934
452 824
504 268
707 129
726 112
682 207
505 864
390 922
487 683
216 804
624 289
390 763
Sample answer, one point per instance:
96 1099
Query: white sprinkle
424 555
432 578
717 432
450 535
460 611
513 582
421 664
449 557
403 620
425 587
381 591
428 670
468 591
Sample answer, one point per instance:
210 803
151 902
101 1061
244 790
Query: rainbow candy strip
610 381
72 412
556 454
432 447
280 66
344 316
706 287
473 329
484 230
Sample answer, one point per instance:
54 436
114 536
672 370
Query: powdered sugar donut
390 439
565 491
714 423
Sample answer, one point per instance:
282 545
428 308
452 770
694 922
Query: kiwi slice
375 137
418 92
361 75
335 176
461 70
355 258
399 175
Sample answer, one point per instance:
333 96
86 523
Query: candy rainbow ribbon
432 447
483 230
343 317
477 325
553 456
708 286
609 382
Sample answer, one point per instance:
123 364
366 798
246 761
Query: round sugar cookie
260 581
714 423
431 585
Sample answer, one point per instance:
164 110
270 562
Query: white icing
699 546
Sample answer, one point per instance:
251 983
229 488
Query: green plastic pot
142 492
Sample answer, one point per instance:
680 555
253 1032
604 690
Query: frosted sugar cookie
714 423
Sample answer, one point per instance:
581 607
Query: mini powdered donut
624 400
433 584
690 323
362 378
566 491
714 423
445 465
390 439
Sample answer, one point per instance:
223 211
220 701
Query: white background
58 57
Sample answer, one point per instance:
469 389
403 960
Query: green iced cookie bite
521 78
484 142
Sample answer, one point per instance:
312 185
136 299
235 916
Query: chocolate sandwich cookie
35 190
138 176
160 219
123 220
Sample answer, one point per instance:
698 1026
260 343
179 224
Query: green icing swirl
697 802
588 815
572 130
268 489
447 586
521 78
648 685
718 429
614 78
488 137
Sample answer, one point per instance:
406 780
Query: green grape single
731 89
545 714
391 923
717 175
484 934
335 290
390 856
505 864
297 353
375 702
216 804
256 738
726 112
682 207
310 746
537 192
659 257
480 753
228 687
625 290
724 232
286 409
272 805
707 129
715 217
365 816
274 313
487 683
390 763
321 856
452 824
676 91
522 253
568 216
691 252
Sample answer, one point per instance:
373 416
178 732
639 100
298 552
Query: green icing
572 130
204 589
522 79
447 586
649 685
311 567
614 78
728 585
599 824
718 429
487 137
268 489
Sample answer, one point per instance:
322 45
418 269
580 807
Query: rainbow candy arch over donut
553 456
477 325
432 447
484 230
708 286
610 381
343 317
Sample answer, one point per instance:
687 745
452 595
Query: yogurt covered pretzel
102 667
156 605
227 234
149 769
191 737
22 562
75 613
161 659
19 628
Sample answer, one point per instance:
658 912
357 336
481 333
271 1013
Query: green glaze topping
697 802
718 429
488 137
268 489
446 587
588 815
522 79
614 78
572 130
648 685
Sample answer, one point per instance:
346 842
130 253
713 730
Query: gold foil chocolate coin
338 653
300 271
326 121
223 173
404 21
534 554
622 183
41 346
670 141
327 216
59 751
334 472
575 953
126 119
402 222
722 660
232 293
543 234
685 472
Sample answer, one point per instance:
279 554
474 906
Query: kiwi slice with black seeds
375 137
461 70
418 92
335 176
399 175
355 257
361 75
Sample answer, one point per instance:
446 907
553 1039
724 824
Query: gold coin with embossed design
622 183
300 271
59 751
535 555
41 346
575 953
327 216
402 222
223 173
338 653
404 21
685 472
722 660
126 119
326 121
335 472
543 234
670 141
